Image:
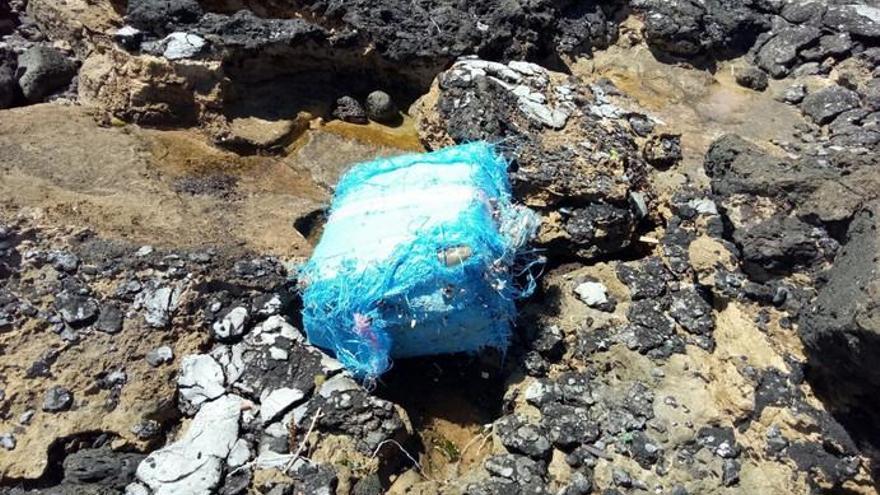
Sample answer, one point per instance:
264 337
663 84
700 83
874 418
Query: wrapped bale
417 258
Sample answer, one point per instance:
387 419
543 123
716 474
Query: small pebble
26 417
57 399
160 356
7 441
144 251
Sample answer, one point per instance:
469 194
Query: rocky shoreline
706 173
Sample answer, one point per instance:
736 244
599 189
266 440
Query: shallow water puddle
174 187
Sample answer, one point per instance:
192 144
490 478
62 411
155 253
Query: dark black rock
737 167
831 45
76 309
580 483
601 229
101 466
870 92
847 120
397 35
775 389
545 391
271 304
663 151
780 244
147 429
568 426
580 457
721 441
841 331
57 399
263 372
516 468
645 279
856 137
794 94
583 26
8 20
778 55
162 16
575 389
871 56
549 342
402 30
643 449
369 485
721 28
110 319
245 30
621 477
814 456
370 421
642 125
583 182
237 482
652 330
381 108
776 442
591 341
43 70
804 12
857 19
316 478
825 104
752 78
518 435
8 82
129 37
349 110
692 310
730 472
685 204
496 485
475 104
639 400
64 261
42 366
676 242
486 117
535 364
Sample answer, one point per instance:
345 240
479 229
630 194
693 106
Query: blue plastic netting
418 257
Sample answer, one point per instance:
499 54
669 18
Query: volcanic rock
43 70
825 104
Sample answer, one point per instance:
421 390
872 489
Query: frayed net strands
421 254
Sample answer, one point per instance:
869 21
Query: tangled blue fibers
420 255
